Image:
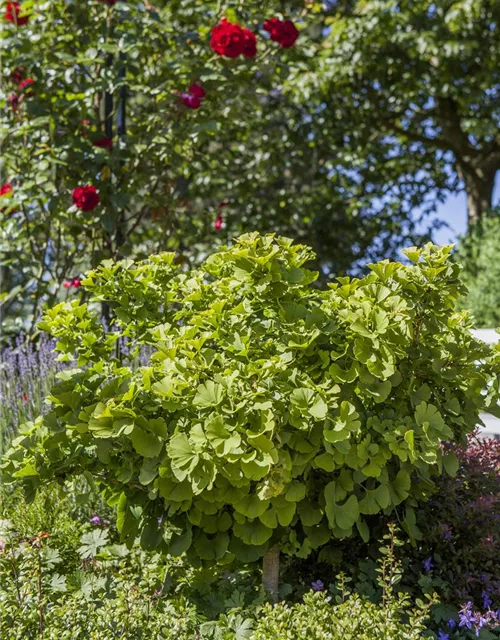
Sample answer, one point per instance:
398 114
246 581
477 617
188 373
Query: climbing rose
17 75
27 85
284 32
5 189
74 282
13 13
231 40
86 198
193 97
190 101
197 90
103 143
13 100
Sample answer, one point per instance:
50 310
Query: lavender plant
27 372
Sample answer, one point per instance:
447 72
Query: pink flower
284 32
218 222
86 198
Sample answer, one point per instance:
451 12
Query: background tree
422 80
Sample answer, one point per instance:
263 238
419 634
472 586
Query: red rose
86 198
249 43
284 32
13 100
231 40
74 282
6 190
26 85
103 143
193 97
190 101
13 12
218 222
197 91
17 75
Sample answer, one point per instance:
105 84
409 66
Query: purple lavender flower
443 636
487 601
317 585
466 616
428 564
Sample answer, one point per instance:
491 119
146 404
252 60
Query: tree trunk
479 199
479 187
271 572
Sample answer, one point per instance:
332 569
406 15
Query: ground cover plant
272 416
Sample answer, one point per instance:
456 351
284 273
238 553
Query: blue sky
454 212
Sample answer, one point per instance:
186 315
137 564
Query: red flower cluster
103 143
17 75
6 190
284 32
74 282
25 85
86 198
231 40
13 13
193 96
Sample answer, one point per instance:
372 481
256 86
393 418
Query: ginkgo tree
272 416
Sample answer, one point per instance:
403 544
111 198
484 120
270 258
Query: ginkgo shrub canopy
270 411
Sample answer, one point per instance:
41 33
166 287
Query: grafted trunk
271 572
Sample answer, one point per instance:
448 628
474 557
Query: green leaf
146 444
450 463
208 394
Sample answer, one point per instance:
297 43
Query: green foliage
121 69
477 253
270 411
351 617
405 77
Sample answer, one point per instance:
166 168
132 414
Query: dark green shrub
270 413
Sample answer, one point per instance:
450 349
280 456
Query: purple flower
443 636
487 601
96 520
452 623
427 564
446 532
466 617
317 586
